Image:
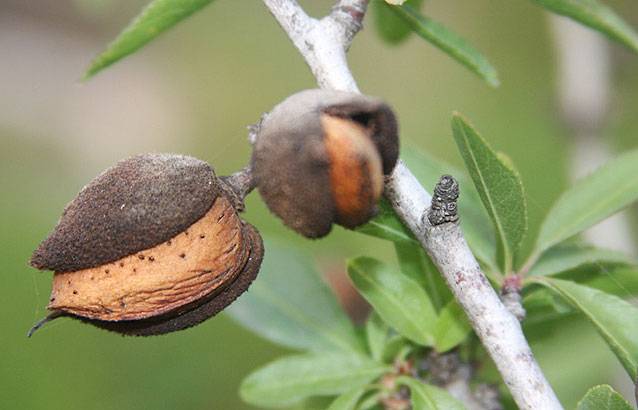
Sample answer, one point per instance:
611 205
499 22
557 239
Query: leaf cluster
413 311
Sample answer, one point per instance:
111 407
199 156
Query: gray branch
323 44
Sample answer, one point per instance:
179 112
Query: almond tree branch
323 44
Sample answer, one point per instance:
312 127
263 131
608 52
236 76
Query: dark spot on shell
75 292
201 309
134 270
121 264
202 236
186 233
68 282
151 259
182 255
168 243
92 277
140 256
52 300
107 271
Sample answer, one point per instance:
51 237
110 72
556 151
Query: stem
240 184
323 44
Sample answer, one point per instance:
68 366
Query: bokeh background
194 91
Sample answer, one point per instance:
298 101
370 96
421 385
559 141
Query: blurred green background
194 91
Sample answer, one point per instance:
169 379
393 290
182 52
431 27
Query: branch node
349 14
511 296
444 202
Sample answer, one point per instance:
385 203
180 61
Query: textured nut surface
140 202
206 256
199 310
356 175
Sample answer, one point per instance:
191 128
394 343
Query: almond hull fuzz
177 280
320 157
140 202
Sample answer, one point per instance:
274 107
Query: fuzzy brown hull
187 267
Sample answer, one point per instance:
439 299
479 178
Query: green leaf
615 319
314 403
157 17
448 42
391 28
428 397
395 348
620 281
592 199
451 327
293 378
400 301
376 335
418 266
603 397
563 258
412 262
386 225
348 400
543 304
371 401
289 304
499 187
475 222
596 15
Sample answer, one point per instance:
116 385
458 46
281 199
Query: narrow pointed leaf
348 400
386 225
448 42
615 319
289 304
603 397
596 15
394 348
157 17
592 199
293 378
567 257
621 281
412 263
451 327
400 301
391 28
376 335
418 266
499 186
428 397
